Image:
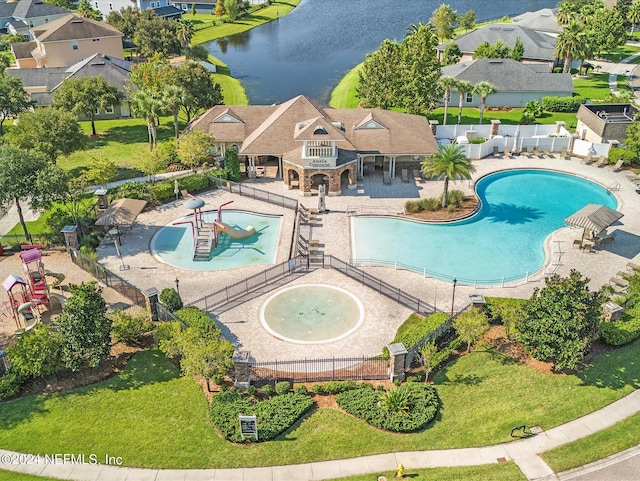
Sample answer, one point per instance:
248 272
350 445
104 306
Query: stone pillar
103 201
559 126
397 359
151 298
71 236
242 369
495 125
353 181
434 126
334 184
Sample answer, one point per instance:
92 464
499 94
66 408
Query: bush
132 190
412 206
620 332
414 329
268 390
128 329
562 104
252 391
36 353
334 387
431 204
170 298
506 311
199 320
274 415
10 385
477 140
162 191
301 389
283 387
406 409
455 197
193 182
617 154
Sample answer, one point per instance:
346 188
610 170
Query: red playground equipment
34 271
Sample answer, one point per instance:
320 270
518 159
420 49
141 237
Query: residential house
19 17
66 41
310 143
41 83
543 21
516 83
605 122
204 6
162 8
538 47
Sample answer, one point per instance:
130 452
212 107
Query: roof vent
97 63
508 29
76 20
320 130
494 28
495 61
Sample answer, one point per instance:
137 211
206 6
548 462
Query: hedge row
274 415
416 333
420 402
616 154
625 330
562 104
198 319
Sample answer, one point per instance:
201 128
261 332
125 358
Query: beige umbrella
594 218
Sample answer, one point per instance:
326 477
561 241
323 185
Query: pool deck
383 315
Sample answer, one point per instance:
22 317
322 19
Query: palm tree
483 89
569 43
564 14
464 88
447 83
185 33
448 163
633 15
147 104
173 98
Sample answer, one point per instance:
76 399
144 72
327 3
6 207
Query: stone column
151 298
353 181
397 359
103 201
559 125
71 236
434 126
495 125
242 369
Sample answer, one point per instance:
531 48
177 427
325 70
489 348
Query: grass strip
344 96
618 437
487 472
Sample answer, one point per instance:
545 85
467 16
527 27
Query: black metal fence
318 370
378 285
254 193
235 291
107 277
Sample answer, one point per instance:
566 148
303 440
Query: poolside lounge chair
633 267
618 165
602 161
616 281
417 175
564 154
386 178
547 153
405 175
507 152
588 159
633 177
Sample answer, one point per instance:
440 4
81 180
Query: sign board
248 426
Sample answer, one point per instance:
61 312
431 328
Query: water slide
60 298
29 315
234 232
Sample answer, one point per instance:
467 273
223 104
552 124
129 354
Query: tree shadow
614 369
512 214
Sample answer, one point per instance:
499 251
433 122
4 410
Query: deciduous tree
201 92
85 96
155 35
101 171
379 79
195 148
444 20
452 54
560 321
13 99
471 326
468 20
85 327
232 9
47 130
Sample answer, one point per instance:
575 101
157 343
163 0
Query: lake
309 50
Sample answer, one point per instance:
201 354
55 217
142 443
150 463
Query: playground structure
26 296
206 234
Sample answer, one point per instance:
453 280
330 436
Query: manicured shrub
37 352
506 311
430 204
616 154
162 191
455 197
283 387
623 331
301 389
334 387
274 415
170 298
405 409
562 104
199 320
477 140
252 390
10 385
128 329
131 190
268 390
193 182
412 206
414 329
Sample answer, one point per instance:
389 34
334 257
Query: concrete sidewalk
523 452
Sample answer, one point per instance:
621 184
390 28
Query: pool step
204 243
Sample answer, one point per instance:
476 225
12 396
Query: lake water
309 50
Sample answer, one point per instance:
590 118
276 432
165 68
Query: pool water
520 208
312 313
173 244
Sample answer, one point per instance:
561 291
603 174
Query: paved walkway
525 453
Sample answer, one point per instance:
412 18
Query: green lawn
604 443
151 417
487 472
11 476
233 92
344 96
511 117
277 9
621 52
596 86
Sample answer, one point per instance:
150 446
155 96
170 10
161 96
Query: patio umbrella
594 218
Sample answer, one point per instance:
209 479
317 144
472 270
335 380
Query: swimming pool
173 244
520 208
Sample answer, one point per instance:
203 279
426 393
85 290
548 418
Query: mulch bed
468 205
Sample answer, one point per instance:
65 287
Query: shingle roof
17 24
543 20
168 11
6 9
509 75
36 8
537 46
74 27
23 49
270 130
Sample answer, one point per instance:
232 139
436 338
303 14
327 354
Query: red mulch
497 338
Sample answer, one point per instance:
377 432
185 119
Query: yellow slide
235 233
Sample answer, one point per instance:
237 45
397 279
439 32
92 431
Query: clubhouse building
307 143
